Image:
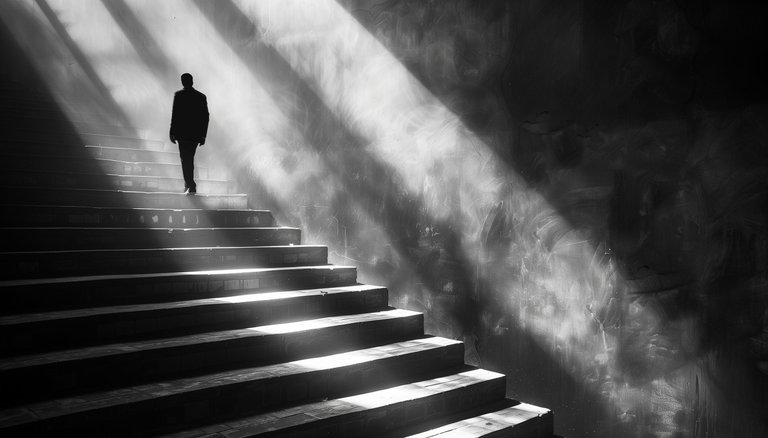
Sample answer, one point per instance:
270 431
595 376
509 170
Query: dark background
644 124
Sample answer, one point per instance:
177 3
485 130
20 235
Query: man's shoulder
189 92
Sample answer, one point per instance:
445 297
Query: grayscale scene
384 218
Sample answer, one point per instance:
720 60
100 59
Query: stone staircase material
144 183
120 198
60 238
84 216
130 309
65 329
37 295
72 262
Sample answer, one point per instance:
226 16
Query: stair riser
56 131
26 117
93 138
126 154
207 405
90 129
137 367
379 421
63 264
120 327
95 198
54 216
83 164
37 239
21 178
133 290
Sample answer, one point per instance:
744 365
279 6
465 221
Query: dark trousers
187 151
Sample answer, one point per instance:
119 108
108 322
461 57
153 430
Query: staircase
130 309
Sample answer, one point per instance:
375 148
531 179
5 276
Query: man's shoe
190 192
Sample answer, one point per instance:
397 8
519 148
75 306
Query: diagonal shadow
26 83
374 184
146 47
109 102
367 179
159 64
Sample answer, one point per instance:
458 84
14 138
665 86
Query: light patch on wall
439 159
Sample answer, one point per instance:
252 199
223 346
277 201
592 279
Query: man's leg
187 151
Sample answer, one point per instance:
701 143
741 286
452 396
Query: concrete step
45 264
36 332
146 183
59 147
39 295
519 420
89 145
21 129
64 372
376 413
67 238
120 141
25 122
173 404
71 216
28 112
120 198
77 161
133 154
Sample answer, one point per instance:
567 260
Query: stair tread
134 217
181 228
327 409
159 275
76 354
177 249
31 195
127 175
83 157
124 148
485 424
22 238
168 388
76 189
11 320
101 208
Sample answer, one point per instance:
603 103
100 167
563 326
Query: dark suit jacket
189 119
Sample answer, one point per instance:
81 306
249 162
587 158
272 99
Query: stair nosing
123 175
97 207
384 397
213 337
143 392
75 189
151 275
522 412
88 312
85 228
173 249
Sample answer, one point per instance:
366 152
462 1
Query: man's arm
172 132
205 118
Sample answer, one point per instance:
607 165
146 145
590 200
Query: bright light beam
439 159
245 119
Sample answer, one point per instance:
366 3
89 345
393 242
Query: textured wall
644 125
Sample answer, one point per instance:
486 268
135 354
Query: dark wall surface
644 125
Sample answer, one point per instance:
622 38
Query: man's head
186 80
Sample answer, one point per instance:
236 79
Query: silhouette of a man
189 125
